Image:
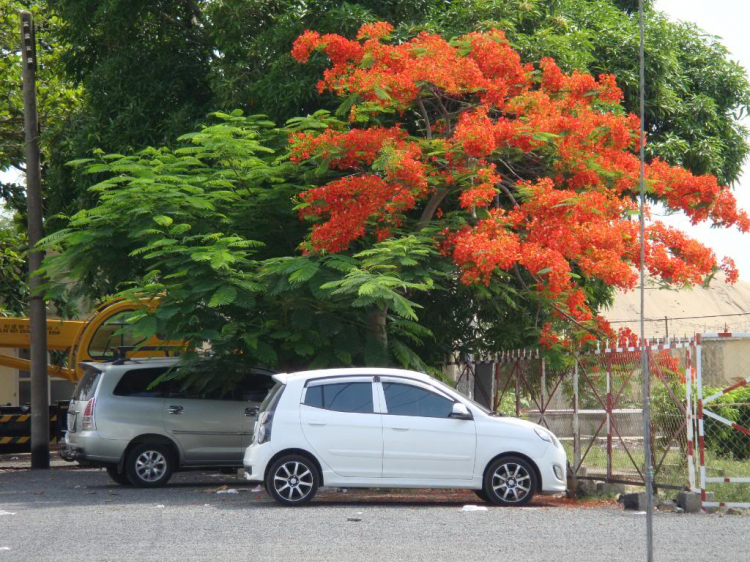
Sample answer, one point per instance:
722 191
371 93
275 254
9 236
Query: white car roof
352 371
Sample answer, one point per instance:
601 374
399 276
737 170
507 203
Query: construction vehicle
96 338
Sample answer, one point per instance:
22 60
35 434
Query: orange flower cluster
480 109
347 204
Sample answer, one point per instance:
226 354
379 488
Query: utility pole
648 466
37 312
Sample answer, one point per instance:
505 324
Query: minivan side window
341 397
138 383
409 400
253 387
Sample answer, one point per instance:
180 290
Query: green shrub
722 440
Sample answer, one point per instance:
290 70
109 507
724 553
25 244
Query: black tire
293 480
118 477
482 496
510 481
149 465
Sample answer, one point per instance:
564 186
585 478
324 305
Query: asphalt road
78 515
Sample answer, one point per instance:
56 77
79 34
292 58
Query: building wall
725 360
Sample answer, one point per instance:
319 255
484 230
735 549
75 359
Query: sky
728 20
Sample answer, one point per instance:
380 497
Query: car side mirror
460 412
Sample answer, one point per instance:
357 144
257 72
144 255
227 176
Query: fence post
689 415
576 427
609 415
518 388
542 421
701 433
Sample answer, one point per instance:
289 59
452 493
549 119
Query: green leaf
223 296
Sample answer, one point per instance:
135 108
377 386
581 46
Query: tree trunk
376 352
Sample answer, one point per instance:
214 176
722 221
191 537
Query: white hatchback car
389 428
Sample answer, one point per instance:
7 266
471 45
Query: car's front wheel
149 465
293 480
510 481
117 476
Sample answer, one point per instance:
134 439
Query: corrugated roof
687 311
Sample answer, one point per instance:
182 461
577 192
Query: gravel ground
69 513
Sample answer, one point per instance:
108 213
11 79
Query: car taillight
264 431
88 422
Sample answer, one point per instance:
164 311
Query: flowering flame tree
521 174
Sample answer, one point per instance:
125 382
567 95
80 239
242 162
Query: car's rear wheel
510 481
117 476
149 465
293 480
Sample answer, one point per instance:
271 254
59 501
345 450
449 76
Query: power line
679 318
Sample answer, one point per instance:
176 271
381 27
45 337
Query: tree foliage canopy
492 194
150 71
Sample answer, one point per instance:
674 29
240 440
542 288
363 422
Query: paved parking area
68 513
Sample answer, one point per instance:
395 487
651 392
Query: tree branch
428 126
507 192
431 207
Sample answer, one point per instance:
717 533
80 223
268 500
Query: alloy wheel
511 482
150 466
293 481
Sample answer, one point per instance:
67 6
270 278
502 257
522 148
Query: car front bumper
553 469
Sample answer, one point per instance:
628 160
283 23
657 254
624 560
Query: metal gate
723 417
594 403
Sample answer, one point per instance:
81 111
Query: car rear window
341 397
138 383
272 399
87 385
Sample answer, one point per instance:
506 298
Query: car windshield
466 398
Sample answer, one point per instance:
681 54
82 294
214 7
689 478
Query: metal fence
594 403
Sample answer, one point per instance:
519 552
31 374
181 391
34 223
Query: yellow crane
93 339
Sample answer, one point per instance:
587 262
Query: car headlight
547 436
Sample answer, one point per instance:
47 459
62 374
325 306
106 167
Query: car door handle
177 410
316 423
400 428
252 412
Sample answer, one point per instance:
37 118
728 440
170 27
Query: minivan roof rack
121 355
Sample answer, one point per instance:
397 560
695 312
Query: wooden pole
37 312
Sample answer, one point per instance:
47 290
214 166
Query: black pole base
40 456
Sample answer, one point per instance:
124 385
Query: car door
339 421
208 426
420 440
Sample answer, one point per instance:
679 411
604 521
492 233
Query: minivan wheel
293 480
510 481
117 476
149 465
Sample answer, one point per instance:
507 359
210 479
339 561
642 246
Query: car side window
138 383
408 400
341 397
254 387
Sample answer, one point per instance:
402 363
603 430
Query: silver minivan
141 432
